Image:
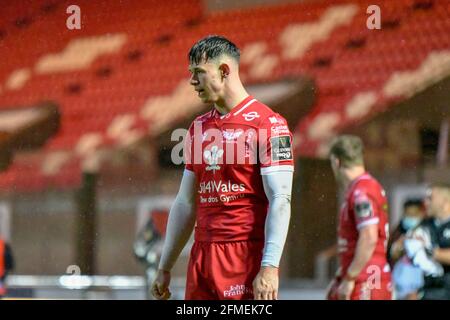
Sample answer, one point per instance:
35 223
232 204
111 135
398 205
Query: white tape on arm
278 188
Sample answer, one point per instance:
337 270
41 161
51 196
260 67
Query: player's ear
338 162
334 161
224 70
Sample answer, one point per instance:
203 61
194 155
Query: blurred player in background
147 250
364 273
428 245
242 208
413 213
407 278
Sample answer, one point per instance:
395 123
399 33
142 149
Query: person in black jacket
428 245
147 249
438 205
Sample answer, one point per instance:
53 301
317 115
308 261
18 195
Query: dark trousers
436 294
436 288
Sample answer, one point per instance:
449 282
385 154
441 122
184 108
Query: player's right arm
179 228
442 256
367 219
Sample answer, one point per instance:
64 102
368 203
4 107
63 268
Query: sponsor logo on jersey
231 135
212 158
281 148
252 115
273 120
220 186
237 290
210 199
222 198
229 198
363 206
280 129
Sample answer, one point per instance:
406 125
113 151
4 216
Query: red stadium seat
351 59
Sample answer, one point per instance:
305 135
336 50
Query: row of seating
349 60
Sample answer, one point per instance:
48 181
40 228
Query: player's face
207 81
434 202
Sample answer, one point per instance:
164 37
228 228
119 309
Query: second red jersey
228 154
365 204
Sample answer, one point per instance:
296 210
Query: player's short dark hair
348 149
416 202
212 47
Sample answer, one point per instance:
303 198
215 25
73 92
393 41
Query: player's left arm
367 241
278 187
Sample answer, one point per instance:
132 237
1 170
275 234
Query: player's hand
345 289
265 285
331 291
160 286
397 248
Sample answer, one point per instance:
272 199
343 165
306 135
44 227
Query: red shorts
223 270
363 291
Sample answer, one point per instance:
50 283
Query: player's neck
353 173
231 98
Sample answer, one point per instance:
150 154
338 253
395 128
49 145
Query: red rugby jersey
365 204
228 153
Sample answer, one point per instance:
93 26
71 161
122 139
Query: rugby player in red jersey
235 189
363 229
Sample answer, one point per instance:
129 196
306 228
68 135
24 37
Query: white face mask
409 223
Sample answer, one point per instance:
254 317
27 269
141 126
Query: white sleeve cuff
272 169
367 223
